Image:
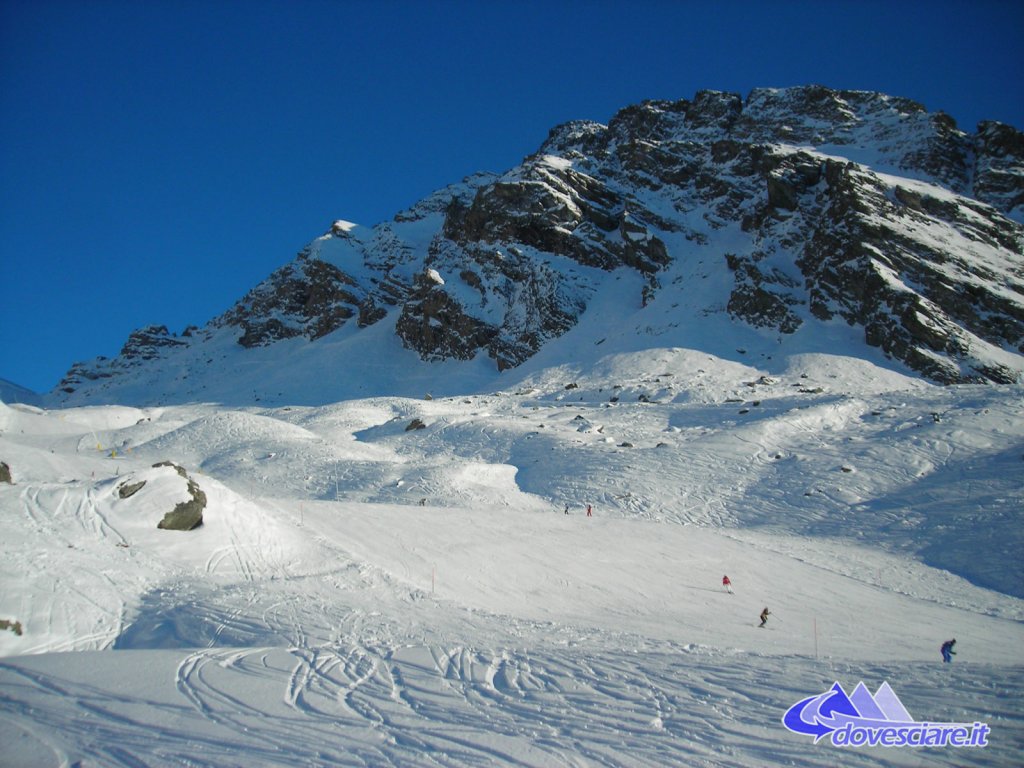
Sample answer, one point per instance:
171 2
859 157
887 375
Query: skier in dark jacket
947 651
764 616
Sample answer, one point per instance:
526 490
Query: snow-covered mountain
344 523
788 214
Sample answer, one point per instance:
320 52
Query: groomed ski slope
361 594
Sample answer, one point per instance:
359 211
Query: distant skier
567 509
727 584
590 511
764 616
947 651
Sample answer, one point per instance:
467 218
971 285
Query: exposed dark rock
177 468
909 198
998 158
82 373
13 626
370 313
861 263
752 300
127 490
436 326
186 515
5 473
714 110
782 194
308 298
415 424
149 343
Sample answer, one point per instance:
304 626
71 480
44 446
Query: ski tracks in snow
452 705
85 609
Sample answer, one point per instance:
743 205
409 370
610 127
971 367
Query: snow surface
364 594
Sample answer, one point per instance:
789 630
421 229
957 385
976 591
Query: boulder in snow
14 626
127 489
187 515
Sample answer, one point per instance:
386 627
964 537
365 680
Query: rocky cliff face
819 205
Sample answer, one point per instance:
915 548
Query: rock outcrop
308 298
186 515
128 489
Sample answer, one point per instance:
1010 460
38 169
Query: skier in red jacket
727 584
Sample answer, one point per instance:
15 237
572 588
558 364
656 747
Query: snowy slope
365 594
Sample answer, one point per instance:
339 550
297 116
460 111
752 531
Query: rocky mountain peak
800 206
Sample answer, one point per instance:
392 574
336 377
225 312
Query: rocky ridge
818 205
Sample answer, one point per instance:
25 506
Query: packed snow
364 592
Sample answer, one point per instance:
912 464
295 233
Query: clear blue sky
158 159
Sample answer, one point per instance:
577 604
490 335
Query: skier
567 509
764 616
590 511
947 651
727 584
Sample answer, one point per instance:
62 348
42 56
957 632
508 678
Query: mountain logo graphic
861 719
